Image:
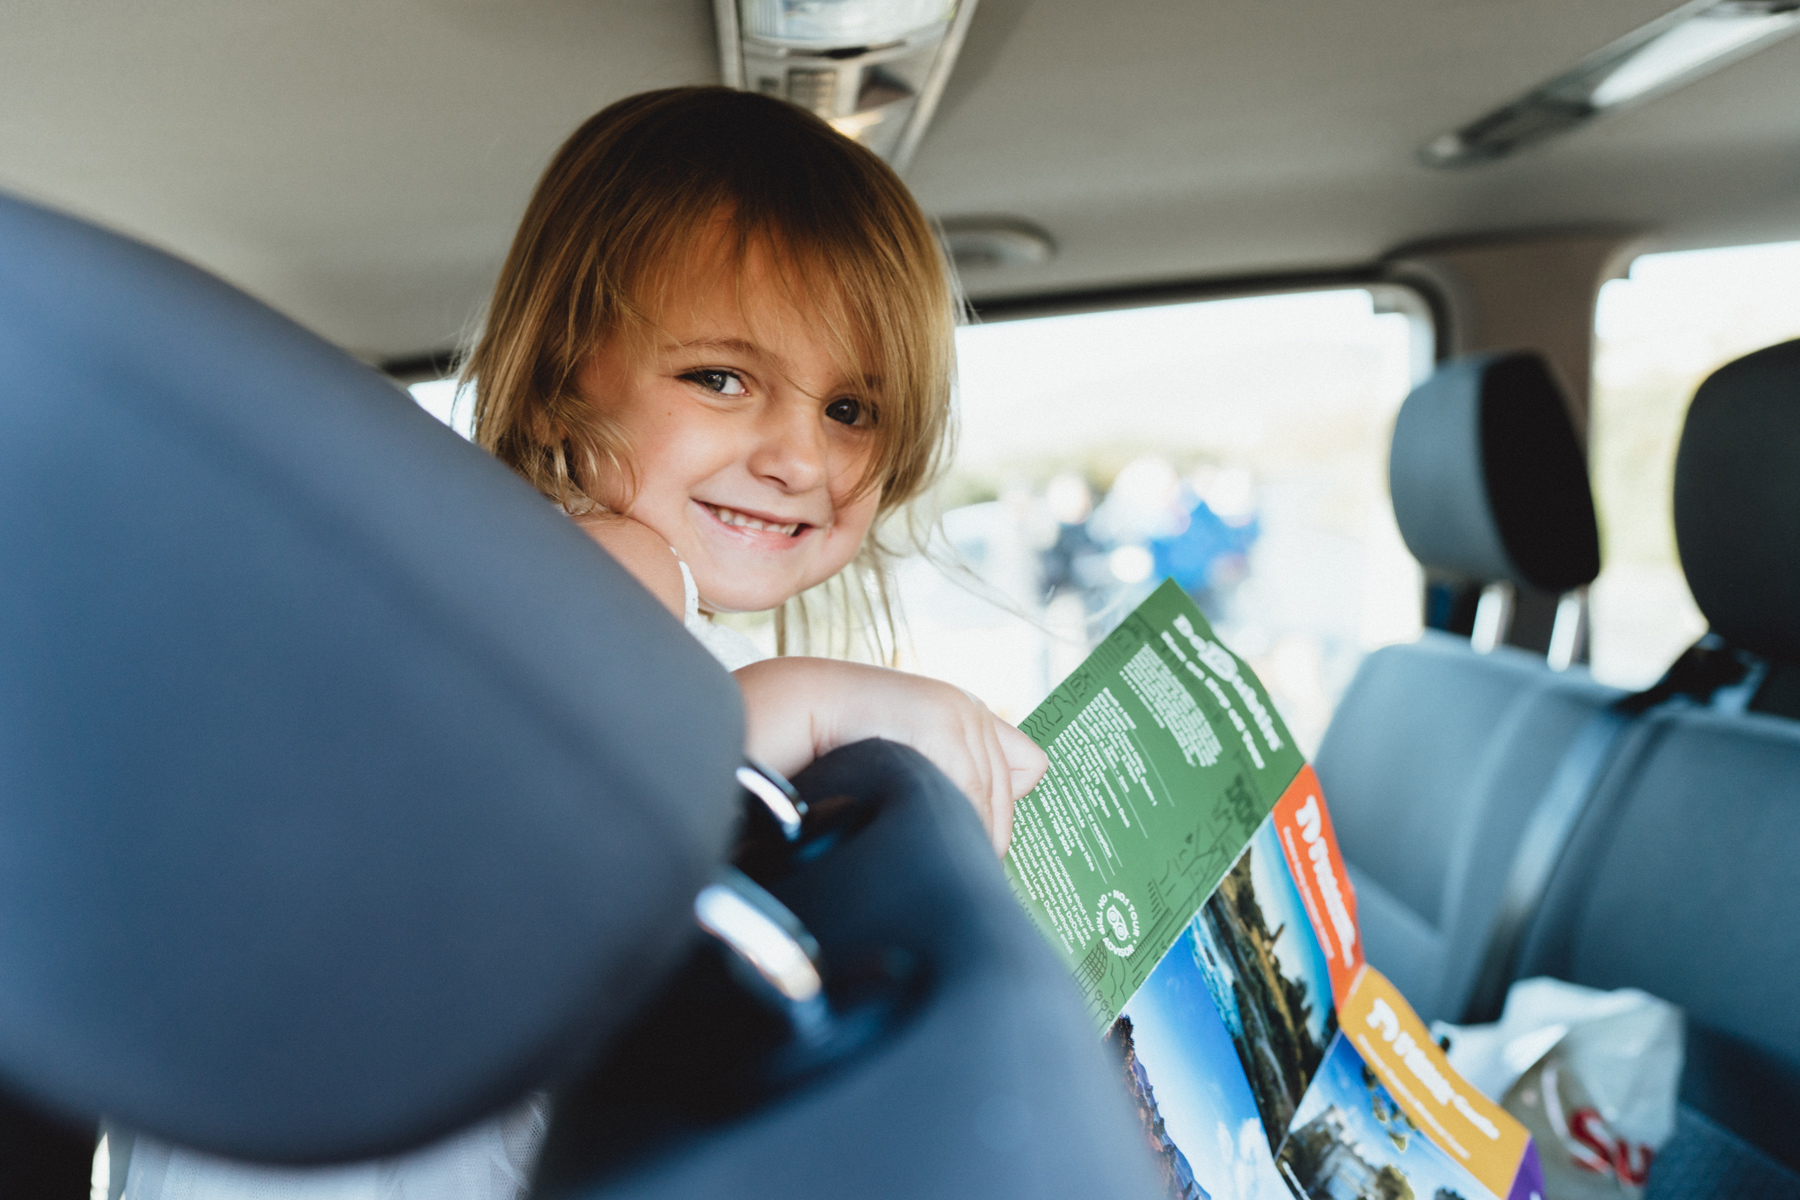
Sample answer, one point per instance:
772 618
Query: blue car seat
1502 820
348 793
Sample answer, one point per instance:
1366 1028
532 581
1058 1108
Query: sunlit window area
1238 445
1659 333
446 401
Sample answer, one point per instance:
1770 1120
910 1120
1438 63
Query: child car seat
320 752
348 792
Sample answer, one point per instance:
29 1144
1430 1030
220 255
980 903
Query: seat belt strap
1699 675
1541 847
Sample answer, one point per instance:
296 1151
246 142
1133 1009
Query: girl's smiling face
750 442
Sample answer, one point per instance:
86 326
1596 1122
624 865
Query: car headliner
361 166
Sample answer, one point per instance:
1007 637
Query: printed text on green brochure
1165 755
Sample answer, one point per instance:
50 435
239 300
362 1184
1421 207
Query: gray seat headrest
1737 501
347 791
1488 478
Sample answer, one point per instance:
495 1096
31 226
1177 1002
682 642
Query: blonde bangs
623 209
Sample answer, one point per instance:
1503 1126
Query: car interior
280 643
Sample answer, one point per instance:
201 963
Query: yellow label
1395 1044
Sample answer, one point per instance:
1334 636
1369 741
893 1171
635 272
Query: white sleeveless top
491 1161
730 647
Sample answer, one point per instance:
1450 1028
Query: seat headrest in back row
347 791
1737 501
1488 478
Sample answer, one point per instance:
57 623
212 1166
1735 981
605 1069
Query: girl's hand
797 709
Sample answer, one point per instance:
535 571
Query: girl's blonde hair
622 208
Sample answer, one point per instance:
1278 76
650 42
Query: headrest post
1493 616
1569 634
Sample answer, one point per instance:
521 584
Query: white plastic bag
1593 1075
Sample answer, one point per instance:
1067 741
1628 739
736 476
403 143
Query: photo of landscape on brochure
1350 1138
1180 855
1181 1067
1268 978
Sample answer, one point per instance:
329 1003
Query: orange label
1478 1133
1304 829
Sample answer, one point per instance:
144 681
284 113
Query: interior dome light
1694 40
985 243
873 68
829 24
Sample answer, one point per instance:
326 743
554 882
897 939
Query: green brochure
1180 854
1165 756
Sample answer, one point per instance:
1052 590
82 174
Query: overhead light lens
986 243
829 24
873 68
1709 40
1692 41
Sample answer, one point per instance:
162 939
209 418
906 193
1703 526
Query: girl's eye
726 383
849 411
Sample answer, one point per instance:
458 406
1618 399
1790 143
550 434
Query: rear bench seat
1678 876
1433 765
1438 754
1681 878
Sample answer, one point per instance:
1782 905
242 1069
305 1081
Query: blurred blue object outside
1192 556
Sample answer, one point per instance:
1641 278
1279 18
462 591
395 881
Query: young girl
723 343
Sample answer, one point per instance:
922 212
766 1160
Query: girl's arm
796 709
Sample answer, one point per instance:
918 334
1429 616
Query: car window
1658 334
1272 413
1239 445
443 399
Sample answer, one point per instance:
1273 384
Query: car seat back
1437 755
347 791
1433 765
1680 879
960 1062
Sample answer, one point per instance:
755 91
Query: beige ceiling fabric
362 166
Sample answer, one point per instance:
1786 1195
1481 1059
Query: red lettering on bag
1605 1153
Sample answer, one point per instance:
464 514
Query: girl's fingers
952 743
1024 765
1003 787
999 793
976 738
1025 759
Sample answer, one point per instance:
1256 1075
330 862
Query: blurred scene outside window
443 399
1658 334
1239 446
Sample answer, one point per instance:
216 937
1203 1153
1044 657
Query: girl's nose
791 448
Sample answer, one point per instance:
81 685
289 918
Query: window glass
1659 333
443 400
1237 445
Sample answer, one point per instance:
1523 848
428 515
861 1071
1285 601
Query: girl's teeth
733 517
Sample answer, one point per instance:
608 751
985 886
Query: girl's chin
742 591
739 598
